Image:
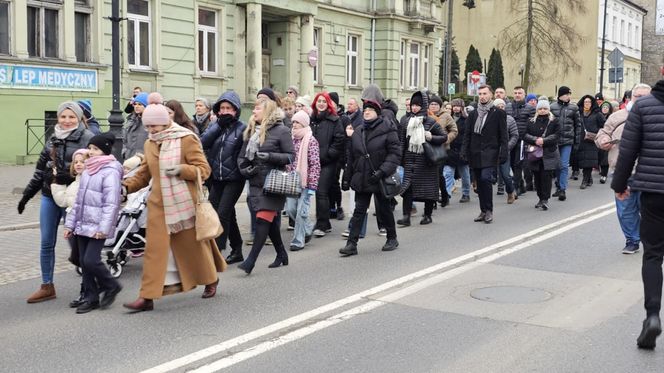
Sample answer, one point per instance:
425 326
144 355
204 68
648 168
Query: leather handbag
589 136
535 152
390 185
208 225
435 154
284 183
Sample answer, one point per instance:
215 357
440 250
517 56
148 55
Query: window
406 7
414 65
317 44
4 28
207 41
622 32
43 29
82 29
637 38
351 59
138 33
425 67
614 30
629 35
402 65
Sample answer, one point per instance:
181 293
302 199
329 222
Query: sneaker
557 193
390 245
295 248
382 232
602 179
268 242
249 241
137 253
319 232
345 233
630 248
413 212
290 227
464 199
575 175
501 190
539 204
340 214
652 328
562 196
544 205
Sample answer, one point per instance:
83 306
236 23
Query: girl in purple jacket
92 220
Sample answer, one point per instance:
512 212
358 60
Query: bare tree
545 32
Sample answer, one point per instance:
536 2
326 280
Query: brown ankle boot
45 292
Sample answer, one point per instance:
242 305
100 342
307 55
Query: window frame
8 28
402 64
414 60
88 11
205 29
350 55
426 65
40 31
318 44
138 19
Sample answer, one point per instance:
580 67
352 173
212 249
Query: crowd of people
523 144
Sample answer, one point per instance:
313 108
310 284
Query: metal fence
39 130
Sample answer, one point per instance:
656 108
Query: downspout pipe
373 42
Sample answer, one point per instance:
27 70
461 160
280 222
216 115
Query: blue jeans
298 210
49 219
504 174
629 217
448 174
562 174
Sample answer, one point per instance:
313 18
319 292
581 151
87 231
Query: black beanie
416 99
564 90
434 98
268 92
371 104
104 142
335 97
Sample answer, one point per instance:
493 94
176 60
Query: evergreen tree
495 76
456 68
473 62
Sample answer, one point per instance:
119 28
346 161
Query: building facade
201 48
652 51
624 31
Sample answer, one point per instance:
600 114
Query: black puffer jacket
56 155
522 113
454 154
222 142
382 143
587 155
328 130
642 138
279 145
569 120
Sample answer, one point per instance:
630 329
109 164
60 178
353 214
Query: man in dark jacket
522 113
485 146
222 141
642 139
569 120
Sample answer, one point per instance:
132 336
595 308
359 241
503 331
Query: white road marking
530 238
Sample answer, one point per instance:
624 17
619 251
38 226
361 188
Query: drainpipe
373 41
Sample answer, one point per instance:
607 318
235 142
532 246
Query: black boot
426 220
80 300
349 249
260 236
405 222
444 199
235 256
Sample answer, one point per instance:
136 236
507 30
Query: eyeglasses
290 91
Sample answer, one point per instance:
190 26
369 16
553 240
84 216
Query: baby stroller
128 240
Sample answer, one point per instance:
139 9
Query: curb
18 227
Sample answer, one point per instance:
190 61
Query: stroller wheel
115 269
79 271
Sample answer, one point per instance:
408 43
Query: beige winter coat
65 195
612 130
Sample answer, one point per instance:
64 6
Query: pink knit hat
156 114
301 117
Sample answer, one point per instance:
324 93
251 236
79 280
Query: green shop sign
47 78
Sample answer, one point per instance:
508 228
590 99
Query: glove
345 185
249 171
21 205
173 171
263 156
427 135
375 177
63 178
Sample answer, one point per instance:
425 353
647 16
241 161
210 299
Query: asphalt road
533 292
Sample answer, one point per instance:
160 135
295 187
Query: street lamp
115 119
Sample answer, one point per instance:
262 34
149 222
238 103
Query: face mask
629 105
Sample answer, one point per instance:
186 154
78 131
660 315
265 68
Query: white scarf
415 131
61 133
253 144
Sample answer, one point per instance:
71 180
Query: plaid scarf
179 207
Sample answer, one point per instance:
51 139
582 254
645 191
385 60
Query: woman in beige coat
174 260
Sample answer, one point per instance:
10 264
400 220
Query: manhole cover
511 294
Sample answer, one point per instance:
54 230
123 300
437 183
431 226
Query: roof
637 6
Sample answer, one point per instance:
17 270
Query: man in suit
485 146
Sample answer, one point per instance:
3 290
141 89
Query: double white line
449 269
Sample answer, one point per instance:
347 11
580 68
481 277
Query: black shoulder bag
435 154
390 186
